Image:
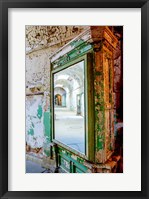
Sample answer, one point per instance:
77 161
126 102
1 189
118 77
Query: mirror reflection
69 123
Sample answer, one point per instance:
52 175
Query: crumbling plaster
41 42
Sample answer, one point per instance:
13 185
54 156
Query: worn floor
32 167
69 129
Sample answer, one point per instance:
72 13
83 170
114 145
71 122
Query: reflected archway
58 100
69 123
60 96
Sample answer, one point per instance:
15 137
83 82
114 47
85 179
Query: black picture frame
4 6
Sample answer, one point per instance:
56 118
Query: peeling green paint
80 160
75 164
99 109
68 154
39 112
76 43
46 122
75 53
31 132
99 127
78 170
100 143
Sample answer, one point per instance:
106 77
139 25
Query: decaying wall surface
37 100
41 37
118 95
41 42
103 90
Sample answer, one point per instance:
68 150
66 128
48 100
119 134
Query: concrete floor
32 167
69 129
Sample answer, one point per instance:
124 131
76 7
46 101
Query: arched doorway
58 100
60 96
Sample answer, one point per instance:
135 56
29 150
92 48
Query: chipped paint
66 157
75 53
38 124
34 121
103 89
31 132
39 112
76 43
47 126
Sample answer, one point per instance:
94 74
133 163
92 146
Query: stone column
104 44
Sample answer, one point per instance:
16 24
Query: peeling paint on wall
38 124
34 121
47 133
39 112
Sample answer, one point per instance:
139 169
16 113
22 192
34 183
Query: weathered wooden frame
89 137
4 5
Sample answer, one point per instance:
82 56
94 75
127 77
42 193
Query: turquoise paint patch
77 164
31 132
39 112
46 122
76 43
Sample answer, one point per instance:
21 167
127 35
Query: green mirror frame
88 102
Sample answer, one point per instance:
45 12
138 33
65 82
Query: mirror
69 122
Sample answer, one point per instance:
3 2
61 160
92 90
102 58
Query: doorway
58 100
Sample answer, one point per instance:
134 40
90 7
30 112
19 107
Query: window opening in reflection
69 123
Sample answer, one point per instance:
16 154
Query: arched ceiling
63 83
59 90
69 76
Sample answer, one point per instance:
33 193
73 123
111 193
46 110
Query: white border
130 180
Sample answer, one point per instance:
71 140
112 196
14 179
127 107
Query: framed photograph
74 99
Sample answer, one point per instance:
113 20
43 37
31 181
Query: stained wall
41 42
